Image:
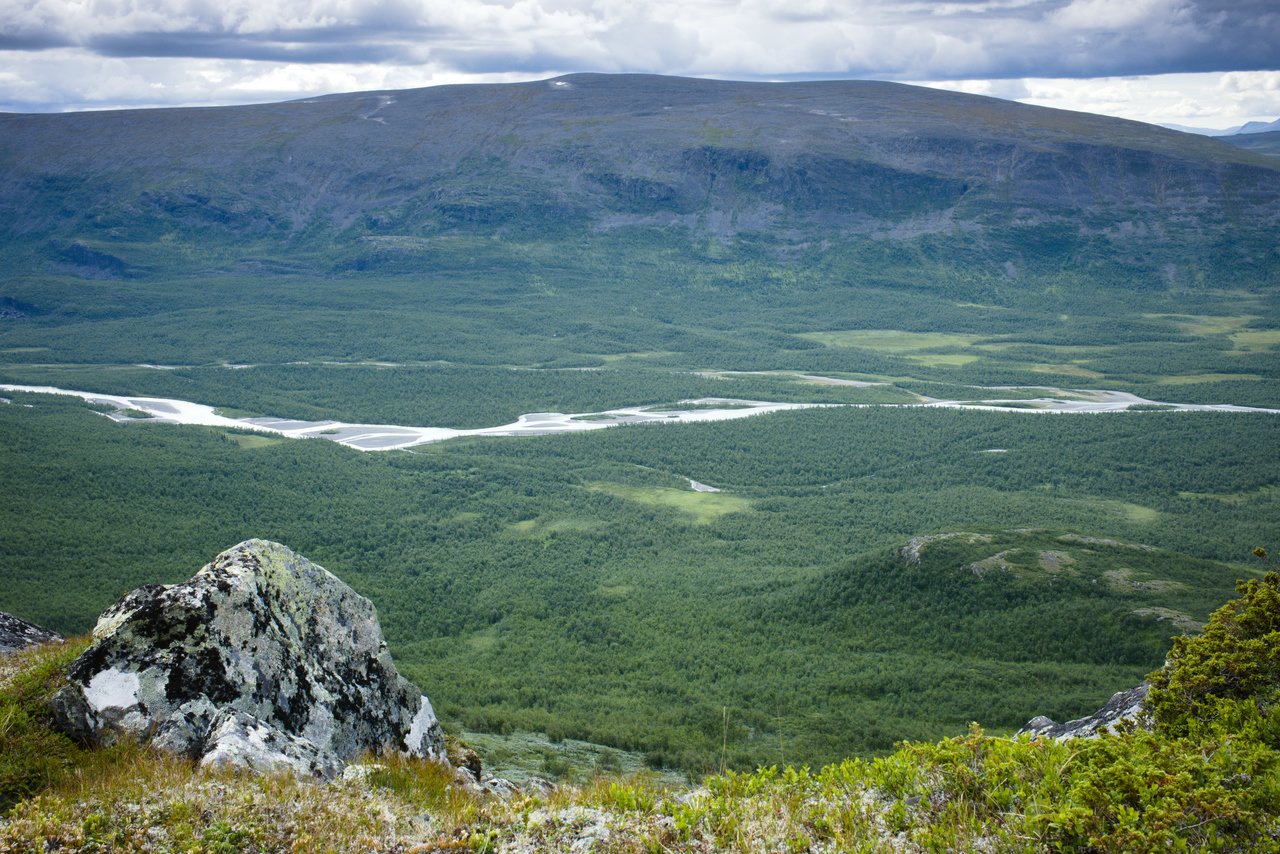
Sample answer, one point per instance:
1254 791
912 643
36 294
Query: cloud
1198 100
433 40
762 37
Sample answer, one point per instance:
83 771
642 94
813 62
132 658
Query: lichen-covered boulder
16 634
262 632
238 740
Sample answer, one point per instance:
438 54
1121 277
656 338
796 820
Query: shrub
1228 677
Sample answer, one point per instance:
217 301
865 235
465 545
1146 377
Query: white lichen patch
1124 580
417 740
1184 622
912 551
1076 538
112 689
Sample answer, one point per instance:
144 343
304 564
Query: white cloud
1121 15
218 50
1211 100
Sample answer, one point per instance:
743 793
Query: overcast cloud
1213 63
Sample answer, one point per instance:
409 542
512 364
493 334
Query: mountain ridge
608 151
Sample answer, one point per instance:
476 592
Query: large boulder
16 634
262 659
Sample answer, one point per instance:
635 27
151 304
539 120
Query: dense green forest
576 585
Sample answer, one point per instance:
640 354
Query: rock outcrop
261 660
1123 706
18 634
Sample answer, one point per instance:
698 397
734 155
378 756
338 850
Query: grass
1235 497
1203 324
1256 340
1129 512
890 340
690 406
521 756
938 360
704 507
1232 326
1189 379
248 440
1067 370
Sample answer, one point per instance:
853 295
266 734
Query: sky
1198 63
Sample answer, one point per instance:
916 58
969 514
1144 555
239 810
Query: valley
578 583
899 279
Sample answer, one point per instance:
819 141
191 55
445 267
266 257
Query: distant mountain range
348 181
1246 128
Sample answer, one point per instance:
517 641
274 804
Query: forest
576 585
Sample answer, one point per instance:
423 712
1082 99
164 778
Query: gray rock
16 635
259 651
242 741
499 787
540 787
464 780
1123 706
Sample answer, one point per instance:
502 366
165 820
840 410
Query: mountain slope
381 169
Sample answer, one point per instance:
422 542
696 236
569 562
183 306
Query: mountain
1263 143
1256 127
1246 128
352 181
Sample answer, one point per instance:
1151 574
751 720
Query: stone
17 635
1124 706
262 655
500 787
461 756
243 742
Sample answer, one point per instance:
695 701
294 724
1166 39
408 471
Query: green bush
1228 677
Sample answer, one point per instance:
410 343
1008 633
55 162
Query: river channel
387 437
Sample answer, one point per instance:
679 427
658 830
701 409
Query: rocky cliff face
262 659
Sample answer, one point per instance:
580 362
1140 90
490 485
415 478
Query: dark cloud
1050 38
33 41
305 46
